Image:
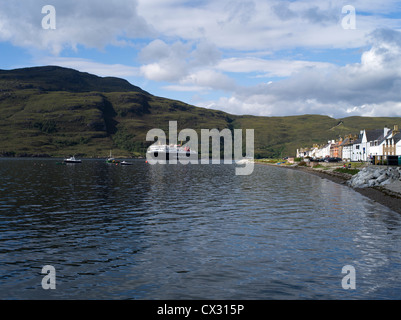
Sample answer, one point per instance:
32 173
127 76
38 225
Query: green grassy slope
59 112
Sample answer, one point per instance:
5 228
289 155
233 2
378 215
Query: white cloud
264 25
370 87
154 51
162 72
91 23
211 79
269 68
185 88
176 62
228 24
386 109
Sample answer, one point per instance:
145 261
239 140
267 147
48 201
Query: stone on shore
374 176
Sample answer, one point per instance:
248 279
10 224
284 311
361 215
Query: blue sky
260 57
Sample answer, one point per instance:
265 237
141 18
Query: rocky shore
375 176
378 183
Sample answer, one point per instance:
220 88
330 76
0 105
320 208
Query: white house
307 152
392 143
346 147
376 145
347 151
356 154
361 149
397 139
370 136
325 150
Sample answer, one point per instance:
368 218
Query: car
335 159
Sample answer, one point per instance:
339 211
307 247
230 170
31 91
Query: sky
253 57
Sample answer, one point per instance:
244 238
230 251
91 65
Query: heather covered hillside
56 111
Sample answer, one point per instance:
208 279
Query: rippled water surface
190 232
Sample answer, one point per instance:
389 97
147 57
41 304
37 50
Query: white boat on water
72 160
171 151
126 163
110 159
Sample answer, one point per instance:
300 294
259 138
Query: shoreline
384 196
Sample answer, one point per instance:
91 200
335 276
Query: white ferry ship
171 151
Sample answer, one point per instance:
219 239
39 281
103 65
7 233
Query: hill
55 111
53 78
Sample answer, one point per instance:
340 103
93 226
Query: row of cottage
369 145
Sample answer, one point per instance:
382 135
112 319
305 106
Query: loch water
190 232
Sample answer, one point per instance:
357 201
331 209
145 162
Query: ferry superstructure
171 151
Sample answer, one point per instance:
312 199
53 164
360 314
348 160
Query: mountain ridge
55 78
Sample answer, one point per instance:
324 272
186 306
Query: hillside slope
55 111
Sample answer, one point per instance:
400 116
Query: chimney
395 131
386 130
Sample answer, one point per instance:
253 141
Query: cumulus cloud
210 79
256 24
370 87
176 62
91 23
165 62
312 12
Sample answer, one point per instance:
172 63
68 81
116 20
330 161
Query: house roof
384 137
397 137
372 135
347 142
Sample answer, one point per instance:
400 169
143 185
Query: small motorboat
125 163
72 160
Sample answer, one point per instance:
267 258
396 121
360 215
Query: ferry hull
159 155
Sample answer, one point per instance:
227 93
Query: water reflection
189 231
